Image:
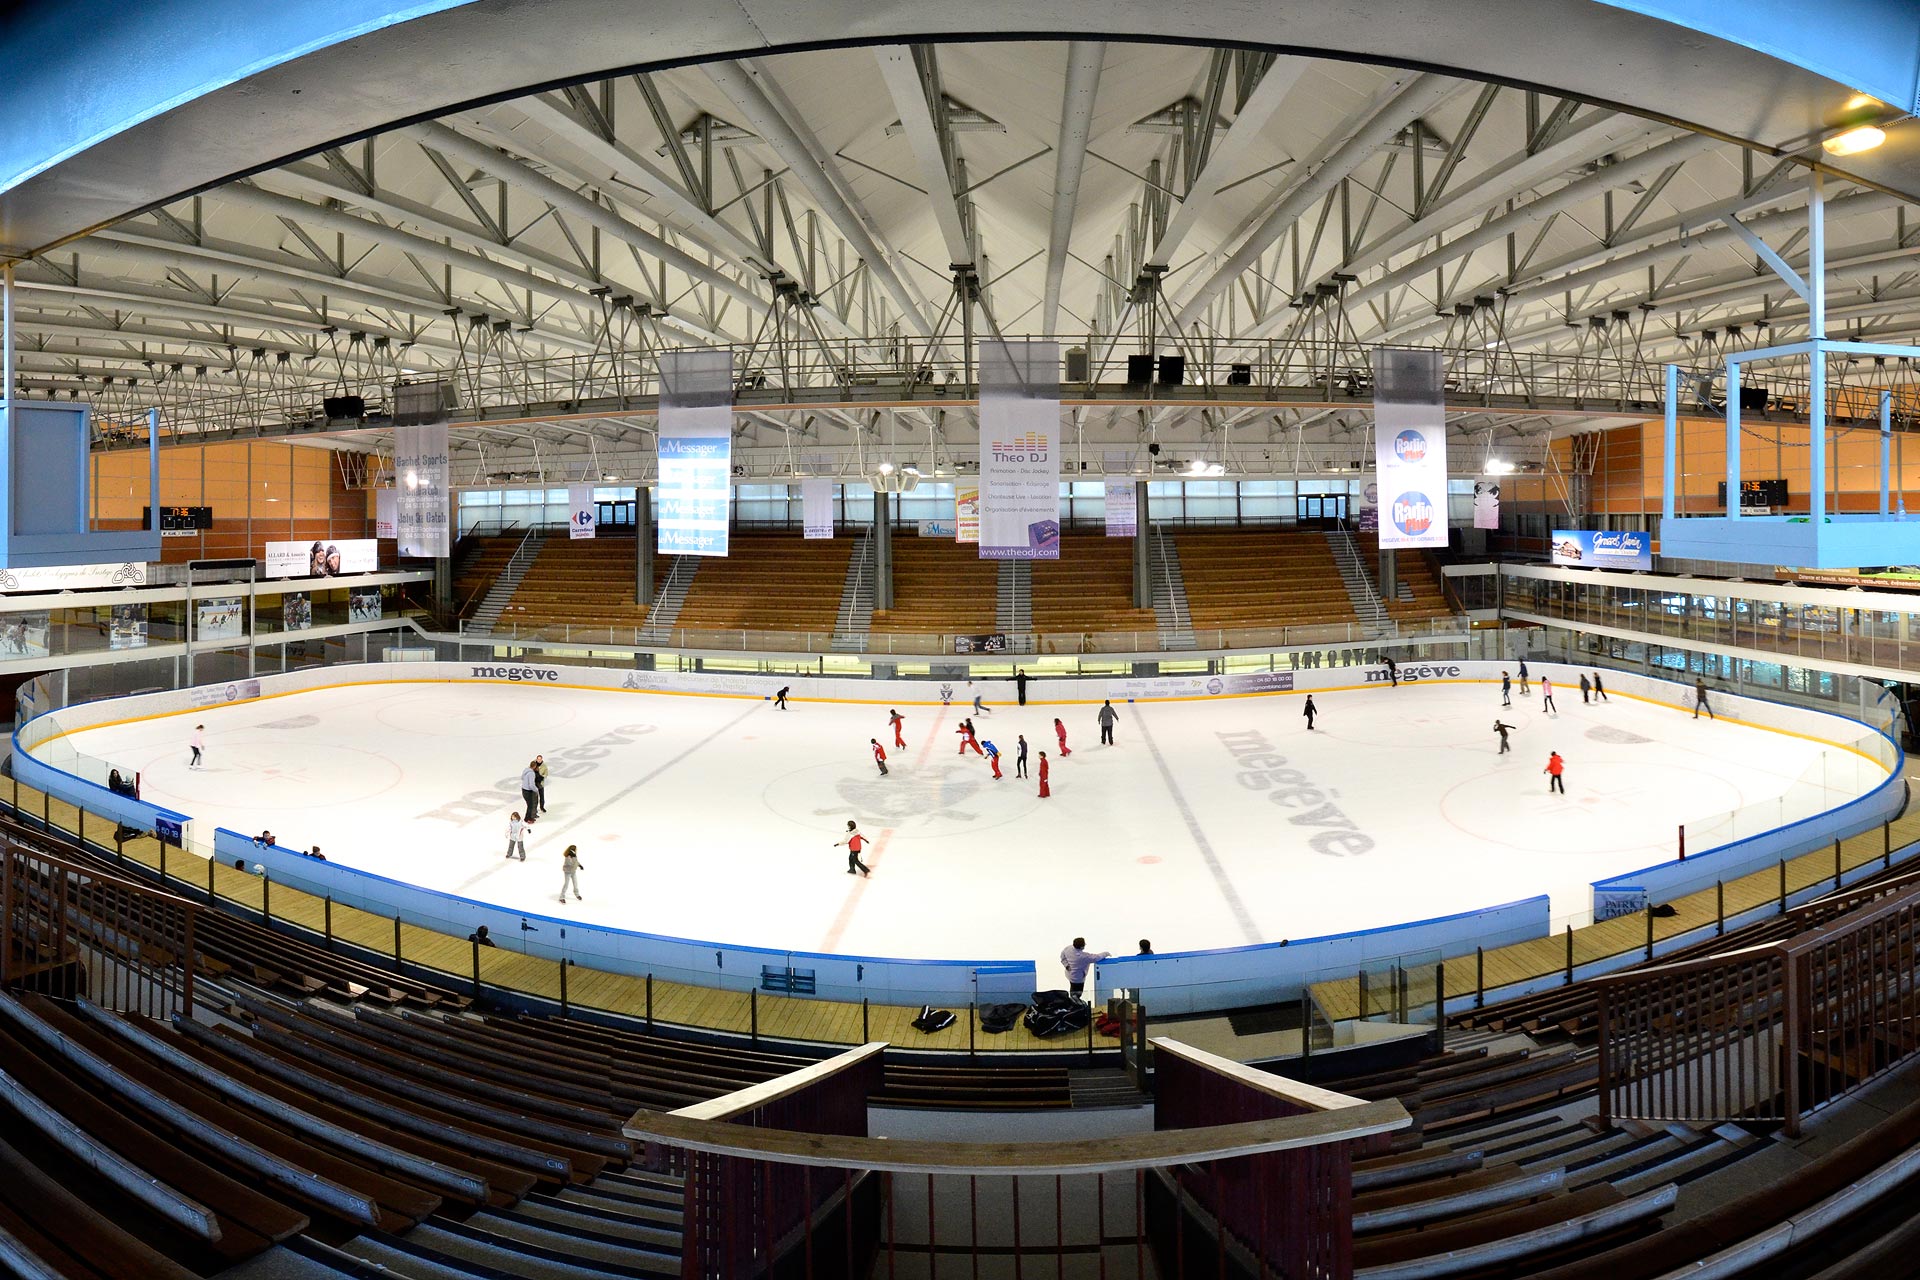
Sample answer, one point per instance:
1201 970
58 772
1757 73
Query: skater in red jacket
897 720
879 755
1045 791
1060 732
967 739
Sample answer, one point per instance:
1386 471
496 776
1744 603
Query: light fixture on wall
1855 140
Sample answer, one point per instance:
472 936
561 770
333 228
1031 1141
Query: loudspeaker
1240 375
1139 370
1079 365
1173 370
344 407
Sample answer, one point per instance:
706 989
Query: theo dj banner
322 559
816 507
1123 513
696 452
1603 548
421 474
1410 448
583 514
1019 451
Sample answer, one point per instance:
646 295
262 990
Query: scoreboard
179 522
1757 493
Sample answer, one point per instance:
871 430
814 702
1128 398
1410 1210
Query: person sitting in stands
240 864
480 937
316 855
266 838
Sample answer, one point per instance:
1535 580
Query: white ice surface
715 818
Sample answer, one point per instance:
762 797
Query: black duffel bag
1058 1020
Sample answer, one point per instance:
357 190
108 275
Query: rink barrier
1171 983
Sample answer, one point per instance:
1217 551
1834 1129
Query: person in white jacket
516 837
1076 960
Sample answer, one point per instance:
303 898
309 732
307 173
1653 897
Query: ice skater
1020 757
898 722
1020 684
1700 702
1525 688
1556 767
1393 669
1309 711
855 842
1060 732
1045 790
570 873
1546 696
1600 690
530 791
1502 728
540 780
968 738
516 837
1506 689
1107 718
879 755
980 708
993 756
780 698
198 745
1586 688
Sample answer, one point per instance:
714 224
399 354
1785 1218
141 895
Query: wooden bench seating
1261 577
1088 589
940 586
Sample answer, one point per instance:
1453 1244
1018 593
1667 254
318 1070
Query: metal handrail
1344 548
1180 620
845 624
650 627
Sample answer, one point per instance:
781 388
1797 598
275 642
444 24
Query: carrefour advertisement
1603 548
1410 448
1019 453
582 511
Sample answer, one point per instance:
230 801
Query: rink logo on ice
1410 446
1334 833
568 763
1409 674
516 675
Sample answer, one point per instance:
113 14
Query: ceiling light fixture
1851 143
886 468
1498 467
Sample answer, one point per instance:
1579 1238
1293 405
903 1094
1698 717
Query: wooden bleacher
1261 577
588 583
769 582
1088 589
1416 570
941 586
482 558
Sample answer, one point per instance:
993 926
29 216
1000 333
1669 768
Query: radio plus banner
322 559
816 507
1603 548
1123 513
583 513
1019 452
966 512
421 476
696 451
1410 447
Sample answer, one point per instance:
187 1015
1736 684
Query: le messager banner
1410 447
1019 453
696 451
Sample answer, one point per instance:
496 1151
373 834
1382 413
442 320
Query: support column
643 551
1817 359
443 605
1389 576
1142 548
882 549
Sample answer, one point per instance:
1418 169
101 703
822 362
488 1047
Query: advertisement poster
583 514
936 529
966 512
383 522
1486 503
220 619
422 472
296 611
24 635
1123 513
816 507
1369 513
78 577
128 627
1410 448
1603 548
364 606
322 559
696 452
1019 453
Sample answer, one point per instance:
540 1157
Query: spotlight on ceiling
1498 467
886 468
1851 143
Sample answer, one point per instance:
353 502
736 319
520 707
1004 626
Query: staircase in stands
494 603
1169 593
1013 610
1359 583
854 621
672 594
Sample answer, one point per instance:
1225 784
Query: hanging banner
696 451
1019 456
1603 548
582 512
816 508
1369 509
1410 447
383 521
420 505
1486 503
322 559
966 512
1123 515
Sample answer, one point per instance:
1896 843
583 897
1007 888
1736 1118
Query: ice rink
1208 824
